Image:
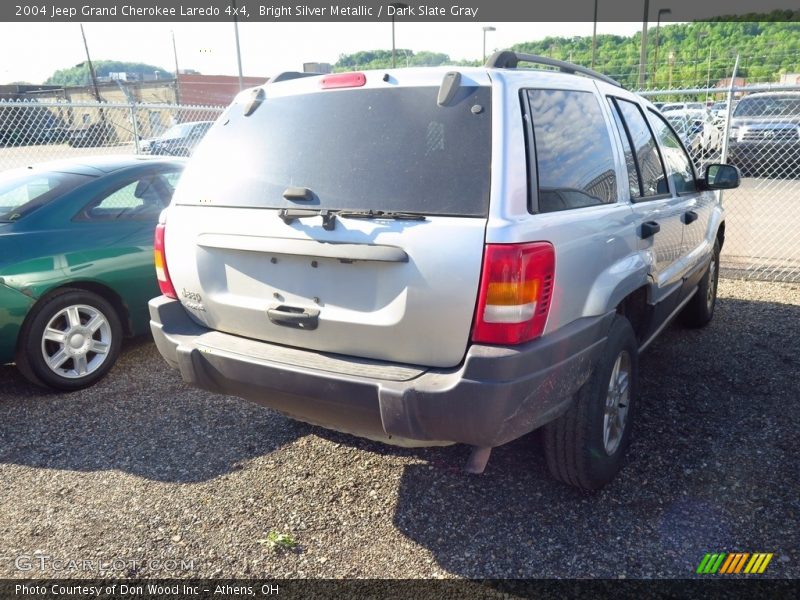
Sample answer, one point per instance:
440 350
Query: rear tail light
343 80
516 288
162 273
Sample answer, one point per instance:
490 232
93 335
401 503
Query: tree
79 75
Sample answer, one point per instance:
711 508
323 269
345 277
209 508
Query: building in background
120 88
214 90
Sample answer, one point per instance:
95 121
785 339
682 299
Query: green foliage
278 541
382 59
79 75
701 51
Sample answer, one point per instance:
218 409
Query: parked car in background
99 133
27 125
765 134
430 256
698 132
669 106
719 109
76 262
178 140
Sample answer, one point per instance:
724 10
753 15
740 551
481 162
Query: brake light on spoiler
343 80
516 288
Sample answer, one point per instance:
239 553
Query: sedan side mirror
721 177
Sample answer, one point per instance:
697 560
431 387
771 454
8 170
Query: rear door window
679 165
634 186
648 158
573 151
381 149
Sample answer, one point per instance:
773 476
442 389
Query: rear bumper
495 396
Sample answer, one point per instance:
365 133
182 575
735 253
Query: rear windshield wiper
380 214
289 215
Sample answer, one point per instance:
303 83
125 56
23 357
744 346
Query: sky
266 48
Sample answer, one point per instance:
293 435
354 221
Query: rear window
380 149
22 192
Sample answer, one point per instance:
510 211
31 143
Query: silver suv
423 256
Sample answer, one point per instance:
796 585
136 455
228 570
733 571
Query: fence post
729 112
132 108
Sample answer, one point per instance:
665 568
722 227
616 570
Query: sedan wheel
76 341
70 340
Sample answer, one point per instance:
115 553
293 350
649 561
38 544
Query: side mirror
721 177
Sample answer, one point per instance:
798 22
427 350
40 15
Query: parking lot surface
153 479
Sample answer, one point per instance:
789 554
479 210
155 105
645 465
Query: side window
144 198
574 156
679 165
630 160
651 170
172 178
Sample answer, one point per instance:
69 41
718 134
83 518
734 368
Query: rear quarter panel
598 259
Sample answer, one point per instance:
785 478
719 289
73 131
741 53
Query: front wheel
69 341
586 446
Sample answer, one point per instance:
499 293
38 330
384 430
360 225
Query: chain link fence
756 128
32 132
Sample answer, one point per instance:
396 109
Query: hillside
79 75
693 52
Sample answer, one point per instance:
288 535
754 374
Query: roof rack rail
506 59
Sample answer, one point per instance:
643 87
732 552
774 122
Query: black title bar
366 10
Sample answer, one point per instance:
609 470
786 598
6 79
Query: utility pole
643 53
177 71
485 29
91 67
663 11
396 6
238 50
699 34
94 85
594 35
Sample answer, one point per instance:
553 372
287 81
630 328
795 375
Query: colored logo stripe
758 563
710 563
734 563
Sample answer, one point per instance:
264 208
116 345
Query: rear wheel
700 309
69 341
585 447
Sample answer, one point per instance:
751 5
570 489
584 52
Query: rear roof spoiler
287 75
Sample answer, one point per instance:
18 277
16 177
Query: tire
583 447
84 337
700 309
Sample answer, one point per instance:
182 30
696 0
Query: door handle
689 217
292 316
649 229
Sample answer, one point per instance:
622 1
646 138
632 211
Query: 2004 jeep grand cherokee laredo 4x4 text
424 256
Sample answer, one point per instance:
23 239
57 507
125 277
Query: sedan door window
141 199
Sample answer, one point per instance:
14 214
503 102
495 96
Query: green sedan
76 262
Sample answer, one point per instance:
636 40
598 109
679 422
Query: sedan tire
69 341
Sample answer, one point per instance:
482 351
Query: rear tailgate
401 290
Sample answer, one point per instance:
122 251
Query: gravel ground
141 468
